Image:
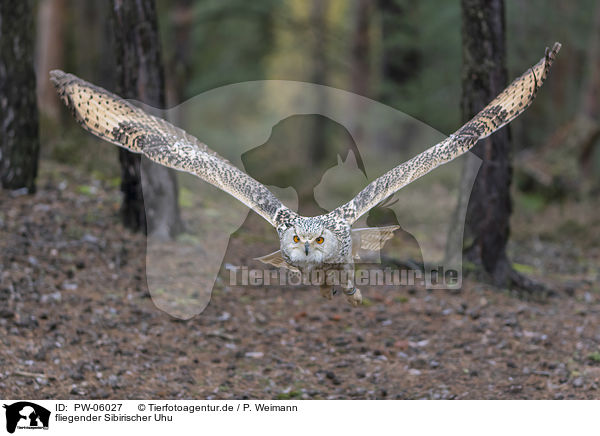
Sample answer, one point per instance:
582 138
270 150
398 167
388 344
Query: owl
327 242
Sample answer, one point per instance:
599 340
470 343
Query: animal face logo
268 133
26 415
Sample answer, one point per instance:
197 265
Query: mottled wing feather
372 238
115 120
502 110
368 242
276 259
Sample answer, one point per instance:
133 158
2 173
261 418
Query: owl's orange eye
296 239
319 240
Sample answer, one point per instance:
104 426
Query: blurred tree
229 41
312 140
484 77
360 57
50 48
179 61
140 76
317 132
590 108
400 57
19 140
550 170
361 48
92 18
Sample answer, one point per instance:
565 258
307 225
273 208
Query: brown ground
77 321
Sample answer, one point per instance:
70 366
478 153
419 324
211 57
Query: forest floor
77 320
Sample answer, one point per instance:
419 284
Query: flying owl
325 242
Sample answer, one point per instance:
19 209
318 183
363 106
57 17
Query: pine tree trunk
588 122
319 10
140 77
484 76
360 71
19 141
51 18
400 62
179 65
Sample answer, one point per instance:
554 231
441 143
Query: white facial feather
307 250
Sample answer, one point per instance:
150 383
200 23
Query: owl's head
309 242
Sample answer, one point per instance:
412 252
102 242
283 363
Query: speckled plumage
511 103
119 122
115 120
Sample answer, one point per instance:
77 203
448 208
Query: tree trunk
484 76
19 141
140 77
179 65
589 117
591 95
50 53
319 9
360 48
400 61
316 130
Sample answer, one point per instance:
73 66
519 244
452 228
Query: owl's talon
327 292
354 297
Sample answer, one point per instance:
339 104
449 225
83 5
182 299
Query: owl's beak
306 248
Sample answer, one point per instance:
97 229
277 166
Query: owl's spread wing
502 110
115 120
